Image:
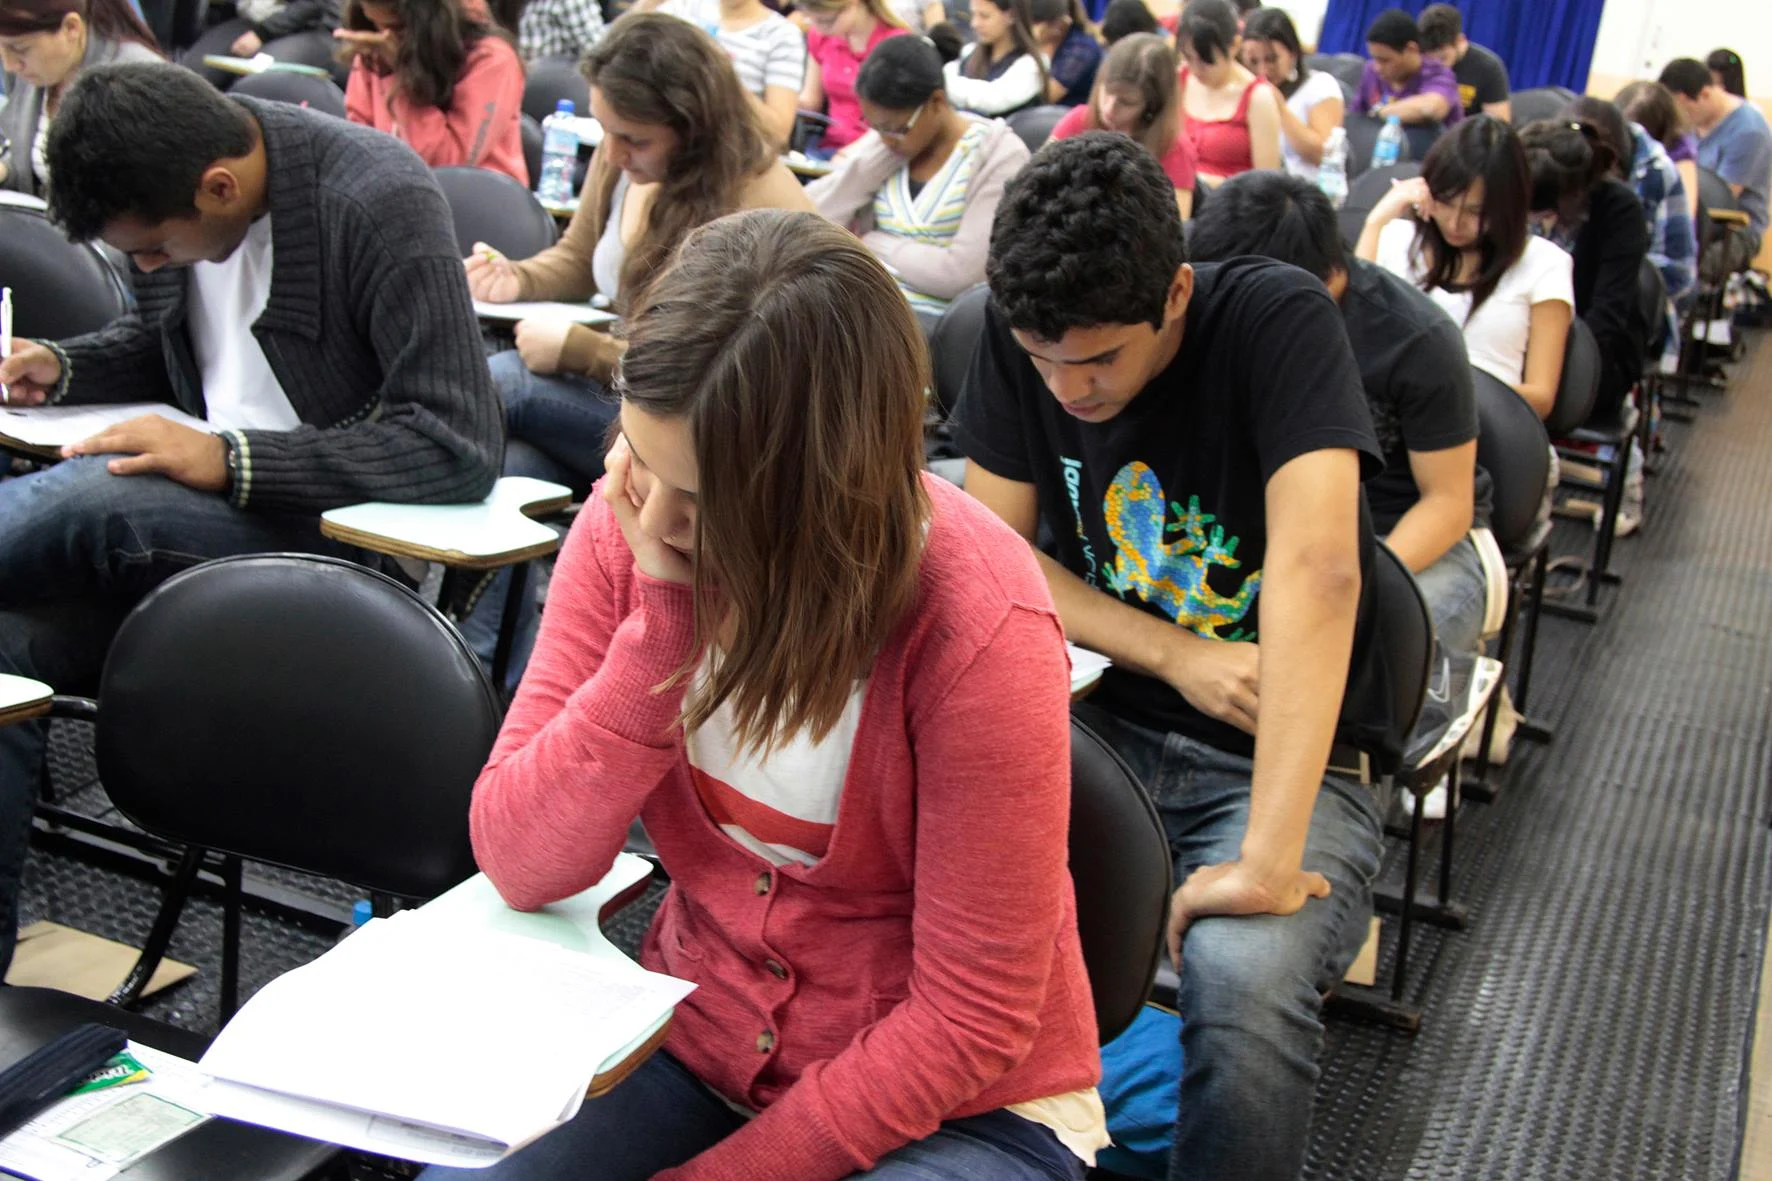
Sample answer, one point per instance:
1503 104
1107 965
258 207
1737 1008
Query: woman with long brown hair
1003 70
768 638
44 44
1135 94
682 145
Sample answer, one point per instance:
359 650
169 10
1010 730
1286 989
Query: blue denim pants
1457 596
662 1115
78 548
555 428
1251 987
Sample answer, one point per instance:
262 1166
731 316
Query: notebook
45 430
578 313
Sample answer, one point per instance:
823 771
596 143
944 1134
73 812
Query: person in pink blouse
439 76
1135 94
842 35
835 690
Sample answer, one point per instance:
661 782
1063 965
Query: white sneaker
1507 720
1433 804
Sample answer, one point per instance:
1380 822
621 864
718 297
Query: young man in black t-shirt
1193 440
1481 75
1417 379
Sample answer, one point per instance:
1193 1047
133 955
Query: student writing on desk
681 146
298 287
872 900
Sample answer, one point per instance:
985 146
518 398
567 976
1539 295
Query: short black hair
1440 26
1394 29
1272 214
1686 75
947 40
1087 234
1209 28
134 141
900 73
1126 17
1728 66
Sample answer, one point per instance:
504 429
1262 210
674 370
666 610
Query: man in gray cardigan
299 288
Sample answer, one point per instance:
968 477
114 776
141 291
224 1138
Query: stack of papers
577 313
1086 666
421 1039
48 429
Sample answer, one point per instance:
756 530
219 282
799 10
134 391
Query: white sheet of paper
1086 666
57 426
577 313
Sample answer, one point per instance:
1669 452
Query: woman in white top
1459 231
1314 102
1003 70
768 51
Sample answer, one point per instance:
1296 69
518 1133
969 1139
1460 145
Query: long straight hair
666 72
1273 24
1485 149
1021 36
878 9
1651 105
113 20
1145 62
434 45
800 371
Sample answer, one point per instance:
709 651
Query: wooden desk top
22 698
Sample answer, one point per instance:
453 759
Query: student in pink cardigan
438 75
835 690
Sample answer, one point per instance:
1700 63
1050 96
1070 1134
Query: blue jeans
78 548
662 1115
555 427
1457 595
1251 987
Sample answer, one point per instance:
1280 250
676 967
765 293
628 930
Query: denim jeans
78 548
1457 595
662 1115
555 428
1251 987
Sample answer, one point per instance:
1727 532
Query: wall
1638 37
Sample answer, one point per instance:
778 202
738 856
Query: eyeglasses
899 132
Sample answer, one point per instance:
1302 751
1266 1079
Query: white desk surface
21 698
497 531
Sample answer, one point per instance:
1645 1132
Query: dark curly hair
113 152
1087 234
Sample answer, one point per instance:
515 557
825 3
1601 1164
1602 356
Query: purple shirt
1433 78
1684 147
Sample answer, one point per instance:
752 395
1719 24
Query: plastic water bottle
1389 148
1332 172
559 155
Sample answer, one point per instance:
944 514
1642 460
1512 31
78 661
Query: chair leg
172 904
1479 788
233 896
1406 914
1610 506
1529 638
507 627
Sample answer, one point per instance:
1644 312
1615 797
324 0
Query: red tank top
1221 146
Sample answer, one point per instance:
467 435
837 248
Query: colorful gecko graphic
1171 574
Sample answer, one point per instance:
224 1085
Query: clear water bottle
1389 148
559 155
1332 172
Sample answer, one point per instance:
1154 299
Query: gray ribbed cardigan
369 328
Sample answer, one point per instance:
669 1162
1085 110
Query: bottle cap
565 107
361 912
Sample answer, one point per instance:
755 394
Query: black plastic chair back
1652 305
1714 192
1514 449
1034 124
1540 102
1580 384
1120 867
298 90
1362 137
1387 684
493 208
953 342
1365 191
530 130
59 288
550 80
1345 68
302 711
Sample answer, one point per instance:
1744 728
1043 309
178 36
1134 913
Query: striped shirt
932 213
771 52
559 28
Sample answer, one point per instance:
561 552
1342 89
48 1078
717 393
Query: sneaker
1433 804
1507 720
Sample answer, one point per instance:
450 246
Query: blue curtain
1543 42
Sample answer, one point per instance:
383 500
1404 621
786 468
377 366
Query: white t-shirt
1317 87
771 52
225 300
1496 336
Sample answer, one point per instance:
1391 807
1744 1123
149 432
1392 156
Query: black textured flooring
1594 1021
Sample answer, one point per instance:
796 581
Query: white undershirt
226 299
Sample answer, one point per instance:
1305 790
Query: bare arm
1548 337
1264 129
1446 480
1420 108
1184 201
1402 198
812 94
1502 110
777 107
1307 136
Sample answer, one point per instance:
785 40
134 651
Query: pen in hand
5 336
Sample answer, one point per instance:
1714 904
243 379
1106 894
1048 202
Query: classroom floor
1595 1020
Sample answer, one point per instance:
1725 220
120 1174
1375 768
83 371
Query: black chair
1120 868
1035 124
1580 383
808 125
1345 68
1514 449
1652 307
60 289
300 90
530 130
550 80
1572 425
314 47
1540 102
1362 137
493 208
953 342
1365 192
